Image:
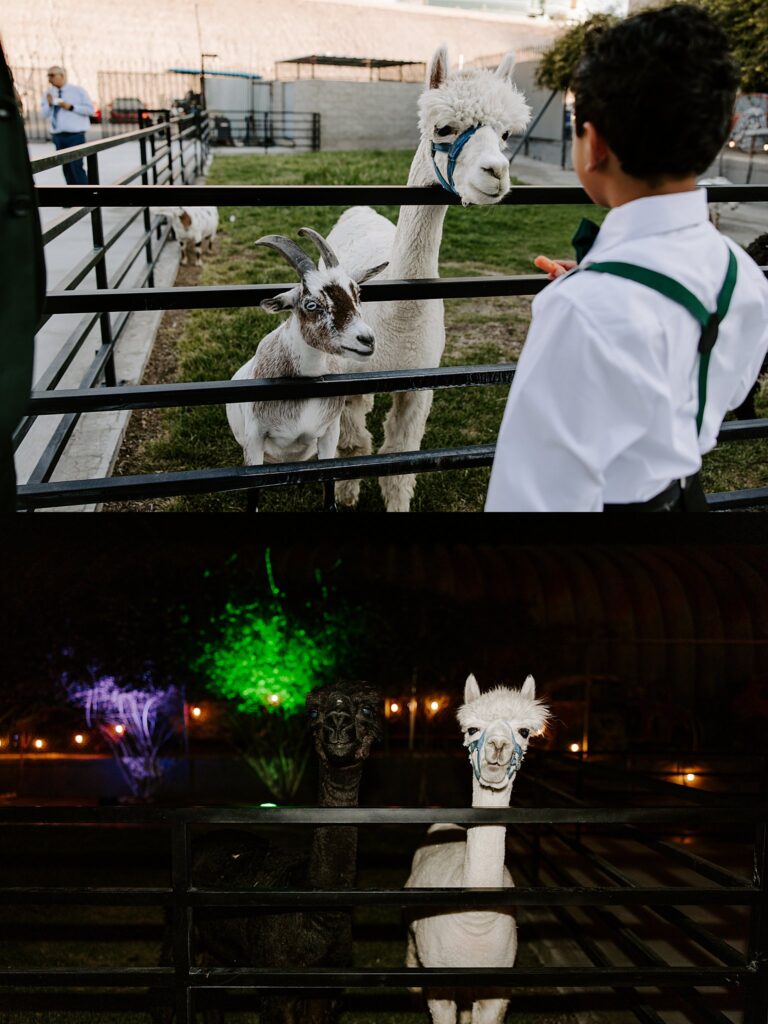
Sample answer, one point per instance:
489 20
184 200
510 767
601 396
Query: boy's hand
554 268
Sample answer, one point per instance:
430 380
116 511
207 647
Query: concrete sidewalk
96 439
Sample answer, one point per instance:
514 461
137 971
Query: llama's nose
339 725
499 750
496 171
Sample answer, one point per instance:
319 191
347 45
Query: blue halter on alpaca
476 746
452 149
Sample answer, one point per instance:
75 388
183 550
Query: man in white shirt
605 407
69 108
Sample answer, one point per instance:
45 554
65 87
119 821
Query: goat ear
371 272
279 303
507 66
438 68
529 688
471 690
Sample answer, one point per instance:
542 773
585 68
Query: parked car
129 110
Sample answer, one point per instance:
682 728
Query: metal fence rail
267 129
747 974
38 493
171 151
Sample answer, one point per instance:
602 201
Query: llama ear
529 688
438 68
507 66
371 272
279 303
471 690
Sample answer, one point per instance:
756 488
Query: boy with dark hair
635 355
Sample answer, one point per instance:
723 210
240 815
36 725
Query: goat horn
292 252
322 246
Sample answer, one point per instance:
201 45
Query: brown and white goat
325 329
192 223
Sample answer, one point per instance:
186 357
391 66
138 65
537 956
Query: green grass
476 240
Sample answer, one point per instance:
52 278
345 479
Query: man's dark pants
74 172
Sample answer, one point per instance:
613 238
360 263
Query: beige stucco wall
362 115
247 35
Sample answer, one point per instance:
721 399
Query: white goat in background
191 223
324 329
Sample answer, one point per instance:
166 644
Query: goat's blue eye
310 306
366 711
313 712
472 731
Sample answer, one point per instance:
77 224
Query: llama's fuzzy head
497 727
473 98
345 719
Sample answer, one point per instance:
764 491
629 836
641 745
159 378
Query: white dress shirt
603 405
76 120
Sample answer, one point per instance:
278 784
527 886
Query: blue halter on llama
497 727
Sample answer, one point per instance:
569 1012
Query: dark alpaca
345 720
758 250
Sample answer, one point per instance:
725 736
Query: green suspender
709 322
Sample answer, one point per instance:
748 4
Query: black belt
669 500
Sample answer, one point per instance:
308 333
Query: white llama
464 120
497 726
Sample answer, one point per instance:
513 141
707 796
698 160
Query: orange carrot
547 265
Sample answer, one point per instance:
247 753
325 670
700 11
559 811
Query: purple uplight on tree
135 722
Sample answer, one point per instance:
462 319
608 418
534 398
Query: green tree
263 656
744 21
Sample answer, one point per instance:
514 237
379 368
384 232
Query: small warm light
690 777
274 698
394 707
196 712
119 729
79 739
1 743
575 748
765 147
434 705
38 744
731 144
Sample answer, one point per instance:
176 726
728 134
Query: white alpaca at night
497 726
475 109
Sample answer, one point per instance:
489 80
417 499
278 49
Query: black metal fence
40 494
266 128
171 152
179 985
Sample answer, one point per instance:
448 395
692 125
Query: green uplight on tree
264 658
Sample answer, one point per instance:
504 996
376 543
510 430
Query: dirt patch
146 425
498 321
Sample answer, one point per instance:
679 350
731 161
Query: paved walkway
97 437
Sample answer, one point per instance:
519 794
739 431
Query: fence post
147 215
182 922
315 132
198 142
756 1010
97 232
180 133
166 114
